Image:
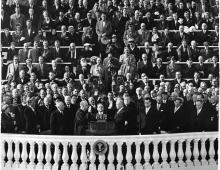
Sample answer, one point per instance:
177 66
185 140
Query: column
156 155
196 153
3 154
203 152
24 155
65 156
32 156
83 166
119 156
138 165
147 164
40 156
173 163
180 153
92 157
164 154
9 155
129 165
211 152
111 166
188 153
16 155
48 156
74 156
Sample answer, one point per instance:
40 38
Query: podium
101 128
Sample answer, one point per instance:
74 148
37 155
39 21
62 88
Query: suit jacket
58 71
69 118
173 25
206 54
34 20
41 73
202 69
179 120
30 121
145 68
57 123
6 40
15 72
131 117
101 30
58 54
178 38
149 121
214 70
200 122
22 55
195 84
7 123
120 121
14 21
166 56
43 117
20 117
5 21
80 122
29 38
128 69
158 71
163 112
202 37
119 25
46 53
33 54
86 23
188 72
23 81
194 54
149 53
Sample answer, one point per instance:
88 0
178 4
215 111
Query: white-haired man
81 118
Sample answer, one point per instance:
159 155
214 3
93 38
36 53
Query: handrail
61 149
63 138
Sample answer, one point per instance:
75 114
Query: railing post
188 153
173 163
129 165
92 157
101 165
203 152
119 156
3 154
65 156
32 156
164 154
138 165
74 156
16 155
147 164
180 153
212 151
196 153
24 155
111 166
83 166
156 155
40 156
9 155
48 156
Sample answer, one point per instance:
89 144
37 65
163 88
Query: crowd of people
149 66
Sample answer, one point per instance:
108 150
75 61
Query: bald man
81 120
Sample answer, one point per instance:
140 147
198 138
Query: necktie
158 107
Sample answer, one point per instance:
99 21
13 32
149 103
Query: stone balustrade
192 151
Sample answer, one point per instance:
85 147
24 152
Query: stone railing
190 151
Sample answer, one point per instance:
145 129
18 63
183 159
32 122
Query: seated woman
101 116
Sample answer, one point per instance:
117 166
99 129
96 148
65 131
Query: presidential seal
100 147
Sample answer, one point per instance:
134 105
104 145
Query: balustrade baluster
203 152
156 155
3 154
9 155
74 156
16 155
119 156
212 152
48 156
65 156
32 156
180 153
24 155
188 153
101 165
196 153
92 157
83 166
173 163
138 165
147 164
111 166
164 155
40 156
129 165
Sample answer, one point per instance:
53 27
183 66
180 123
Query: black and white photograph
109 84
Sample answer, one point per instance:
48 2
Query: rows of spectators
51 89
